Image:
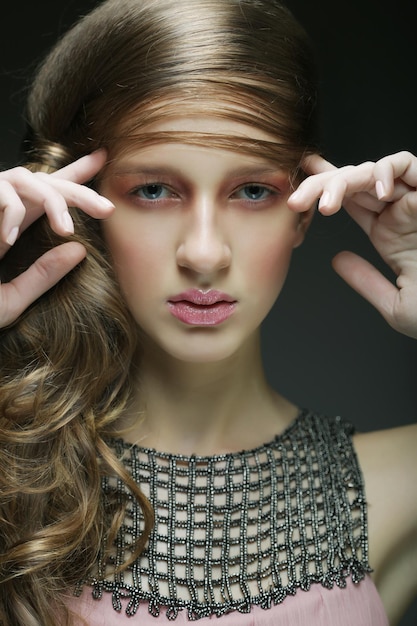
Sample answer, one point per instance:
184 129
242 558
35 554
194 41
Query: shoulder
388 460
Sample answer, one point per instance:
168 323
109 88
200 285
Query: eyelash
258 186
136 191
266 192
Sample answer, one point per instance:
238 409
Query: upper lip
201 297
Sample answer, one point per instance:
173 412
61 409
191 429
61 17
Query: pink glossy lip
202 308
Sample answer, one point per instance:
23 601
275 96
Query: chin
202 356
202 346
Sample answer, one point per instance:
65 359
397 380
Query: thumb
48 270
367 281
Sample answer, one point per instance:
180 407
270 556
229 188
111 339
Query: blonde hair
66 363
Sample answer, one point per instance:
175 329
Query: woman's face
201 239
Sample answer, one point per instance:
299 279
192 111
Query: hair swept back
66 362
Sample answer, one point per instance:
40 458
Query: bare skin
177 401
381 197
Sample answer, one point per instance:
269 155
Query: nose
203 247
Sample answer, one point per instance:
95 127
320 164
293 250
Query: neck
205 408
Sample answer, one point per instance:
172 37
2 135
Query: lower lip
200 315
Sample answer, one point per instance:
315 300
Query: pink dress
355 605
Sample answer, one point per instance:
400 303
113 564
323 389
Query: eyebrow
132 170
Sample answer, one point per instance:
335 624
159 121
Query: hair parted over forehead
131 63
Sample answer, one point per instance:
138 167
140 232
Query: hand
24 197
382 198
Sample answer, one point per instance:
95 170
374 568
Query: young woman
148 471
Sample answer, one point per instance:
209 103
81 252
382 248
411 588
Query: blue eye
154 191
253 192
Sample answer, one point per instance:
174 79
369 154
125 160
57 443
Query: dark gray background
324 346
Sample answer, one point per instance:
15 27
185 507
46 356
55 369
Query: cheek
273 259
268 273
136 256
268 255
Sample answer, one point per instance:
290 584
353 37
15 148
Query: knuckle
43 269
19 174
405 154
42 176
367 167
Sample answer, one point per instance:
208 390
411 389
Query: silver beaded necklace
241 529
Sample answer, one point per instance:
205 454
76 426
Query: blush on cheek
272 264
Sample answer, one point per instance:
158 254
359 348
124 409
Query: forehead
209 125
193 162
204 130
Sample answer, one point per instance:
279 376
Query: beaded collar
241 529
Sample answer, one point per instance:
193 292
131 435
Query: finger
366 200
77 195
13 213
33 191
316 164
84 169
367 281
402 165
25 196
48 270
344 184
74 195
313 188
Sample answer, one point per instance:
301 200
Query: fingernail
67 222
324 200
380 189
295 195
106 202
12 236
